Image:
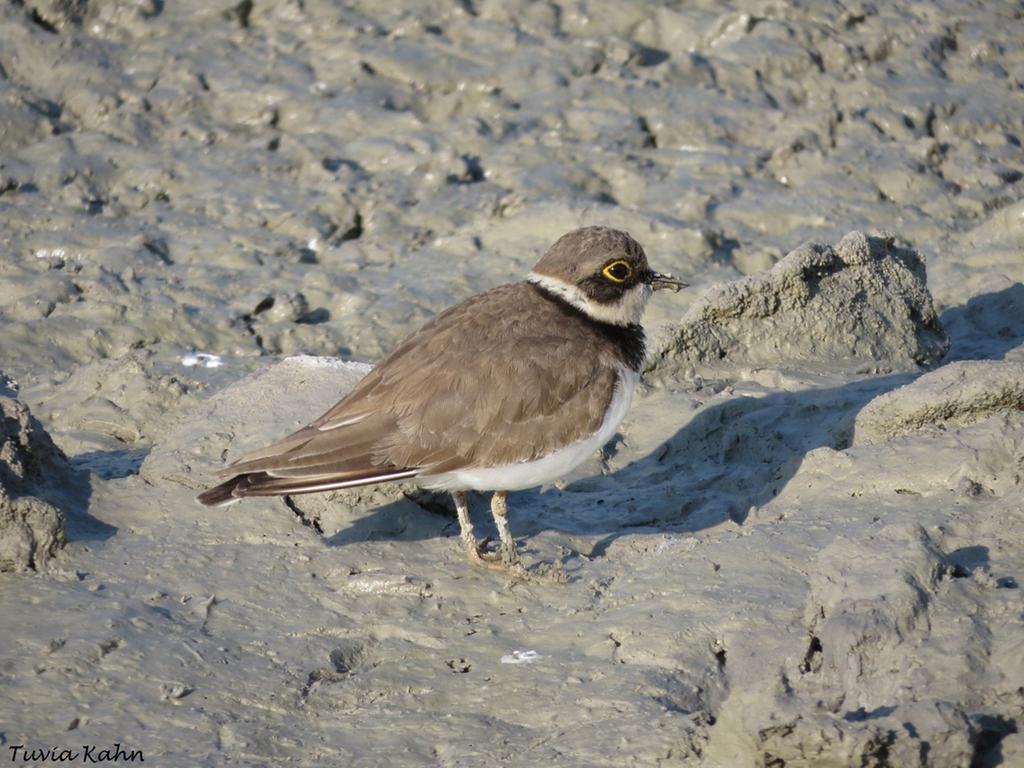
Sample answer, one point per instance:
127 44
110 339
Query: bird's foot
486 553
504 558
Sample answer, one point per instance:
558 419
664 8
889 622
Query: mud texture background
806 546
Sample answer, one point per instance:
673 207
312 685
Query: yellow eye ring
618 271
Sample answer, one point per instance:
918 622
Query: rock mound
31 529
862 306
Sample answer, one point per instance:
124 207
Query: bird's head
602 272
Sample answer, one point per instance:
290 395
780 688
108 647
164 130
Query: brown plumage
504 379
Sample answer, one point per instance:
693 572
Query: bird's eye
618 271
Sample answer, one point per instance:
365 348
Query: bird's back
495 380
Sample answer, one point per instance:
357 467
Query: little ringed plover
510 389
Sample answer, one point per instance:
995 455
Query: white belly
528 474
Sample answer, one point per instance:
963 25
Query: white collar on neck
627 311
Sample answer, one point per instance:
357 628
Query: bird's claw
502 559
506 560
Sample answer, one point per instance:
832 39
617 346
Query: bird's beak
659 281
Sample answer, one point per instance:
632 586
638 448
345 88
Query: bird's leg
474 548
510 562
506 559
466 525
499 508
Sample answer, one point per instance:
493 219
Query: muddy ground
805 548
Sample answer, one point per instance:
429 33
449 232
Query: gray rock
959 393
860 307
31 529
31 532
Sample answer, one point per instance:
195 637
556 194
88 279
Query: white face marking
529 474
627 311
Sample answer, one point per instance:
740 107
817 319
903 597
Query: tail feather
220 495
264 484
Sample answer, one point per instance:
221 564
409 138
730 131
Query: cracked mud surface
780 561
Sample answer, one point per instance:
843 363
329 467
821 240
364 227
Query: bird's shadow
733 456
409 517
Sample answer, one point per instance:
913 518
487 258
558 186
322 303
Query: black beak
658 281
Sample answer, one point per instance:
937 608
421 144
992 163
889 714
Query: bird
510 389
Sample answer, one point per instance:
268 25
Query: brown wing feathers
441 400
310 460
